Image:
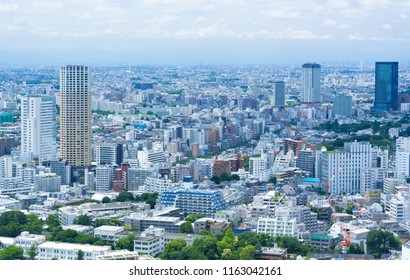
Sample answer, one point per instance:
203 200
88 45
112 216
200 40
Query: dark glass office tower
387 80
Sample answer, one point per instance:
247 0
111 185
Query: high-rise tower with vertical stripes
75 115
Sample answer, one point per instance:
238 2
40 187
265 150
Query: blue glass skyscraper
387 81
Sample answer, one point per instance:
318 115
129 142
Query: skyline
209 32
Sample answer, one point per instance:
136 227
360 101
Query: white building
278 227
258 168
108 233
103 178
10 203
403 157
157 185
69 251
397 206
47 182
38 132
105 154
150 242
25 240
6 166
340 171
13 185
68 214
405 251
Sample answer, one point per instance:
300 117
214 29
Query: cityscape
227 141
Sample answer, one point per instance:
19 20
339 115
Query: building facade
75 115
310 91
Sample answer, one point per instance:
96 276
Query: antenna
361 65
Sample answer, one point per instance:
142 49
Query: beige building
75 115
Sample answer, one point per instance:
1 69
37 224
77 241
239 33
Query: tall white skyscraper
310 91
38 133
403 157
75 115
341 170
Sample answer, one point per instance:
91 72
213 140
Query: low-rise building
69 251
278 227
150 242
108 233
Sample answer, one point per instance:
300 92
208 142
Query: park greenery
149 198
227 246
224 177
381 242
379 134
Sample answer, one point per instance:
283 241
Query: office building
342 106
277 227
310 90
279 94
47 182
387 81
75 115
103 178
341 171
38 133
108 154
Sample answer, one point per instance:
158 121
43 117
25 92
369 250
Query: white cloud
281 14
338 4
387 26
403 16
356 37
8 8
343 26
329 22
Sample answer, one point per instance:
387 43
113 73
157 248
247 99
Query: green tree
68 236
235 177
216 179
193 217
11 253
125 196
32 252
247 253
273 180
380 242
349 208
186 227
101 222
105 199
53 223
80 255
125 243
173 250
224 176
354 249
84 220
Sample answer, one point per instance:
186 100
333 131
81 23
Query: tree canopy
380 242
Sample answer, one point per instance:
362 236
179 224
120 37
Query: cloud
387 26
8 8
343 26
402 16
338 4
281 14
329 22
356 37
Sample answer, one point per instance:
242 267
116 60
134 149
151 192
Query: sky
203 31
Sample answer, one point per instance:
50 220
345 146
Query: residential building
150 242
310 90
75 115
277 227
38 132
69 251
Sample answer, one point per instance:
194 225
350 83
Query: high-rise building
75 115
341 171
342 105
38 133
306 161
310 91
279 93
387 81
